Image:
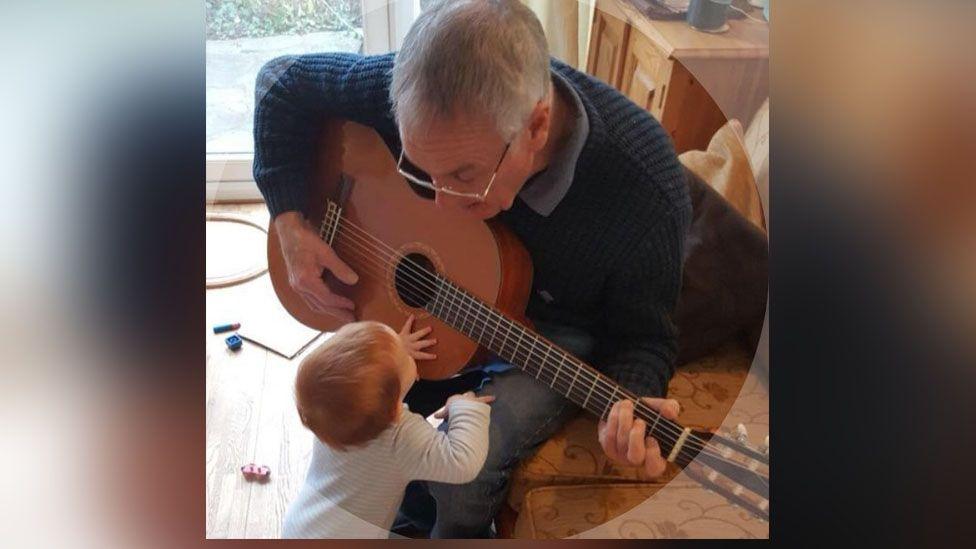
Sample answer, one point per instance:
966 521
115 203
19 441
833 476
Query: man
473 107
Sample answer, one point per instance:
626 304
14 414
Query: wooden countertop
744 39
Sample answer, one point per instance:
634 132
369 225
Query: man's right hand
306 256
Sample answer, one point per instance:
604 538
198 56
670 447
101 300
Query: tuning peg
765 446
741 434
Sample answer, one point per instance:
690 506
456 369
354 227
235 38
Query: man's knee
525 412
467 510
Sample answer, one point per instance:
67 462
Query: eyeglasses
409 170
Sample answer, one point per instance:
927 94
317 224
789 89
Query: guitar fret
466 319
497 332
438 306
481 334
447 306
501 348
502 340
465 316
588 393
657 418
434 307
473 315
546 359
530 352
610 401
456 311
503 329
452 312
517 345
576 375
493 332
449 303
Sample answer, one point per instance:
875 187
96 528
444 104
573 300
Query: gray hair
487 55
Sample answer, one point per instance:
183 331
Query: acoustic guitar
470 281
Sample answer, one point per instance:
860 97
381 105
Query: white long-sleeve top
356 493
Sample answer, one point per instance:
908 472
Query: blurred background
873 284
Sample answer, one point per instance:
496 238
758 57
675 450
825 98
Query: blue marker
226 327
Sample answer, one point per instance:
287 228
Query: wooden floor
250 418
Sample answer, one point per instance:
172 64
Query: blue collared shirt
546 189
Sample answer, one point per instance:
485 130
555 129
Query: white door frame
385 23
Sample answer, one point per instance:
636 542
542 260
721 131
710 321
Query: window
242 35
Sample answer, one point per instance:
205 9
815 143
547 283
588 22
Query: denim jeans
525 413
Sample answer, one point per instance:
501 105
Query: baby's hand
442 413
413 343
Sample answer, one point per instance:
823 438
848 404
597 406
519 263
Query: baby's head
351 388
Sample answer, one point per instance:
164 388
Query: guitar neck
537 356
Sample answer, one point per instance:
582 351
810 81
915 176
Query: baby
369 445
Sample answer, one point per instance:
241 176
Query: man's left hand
622 436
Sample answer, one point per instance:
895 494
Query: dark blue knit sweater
607 260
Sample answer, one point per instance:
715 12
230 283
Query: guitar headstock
731 466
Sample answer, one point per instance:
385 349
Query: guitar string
685 455
686 447
530 351
696 443
676 430
530 354
420 279
458 313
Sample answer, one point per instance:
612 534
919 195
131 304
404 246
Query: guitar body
384 220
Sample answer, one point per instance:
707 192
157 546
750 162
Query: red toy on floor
256 472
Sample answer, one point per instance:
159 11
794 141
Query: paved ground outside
232 66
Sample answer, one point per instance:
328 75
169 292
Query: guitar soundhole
415 280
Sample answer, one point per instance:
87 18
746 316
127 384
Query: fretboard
535 355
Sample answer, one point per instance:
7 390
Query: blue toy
234 342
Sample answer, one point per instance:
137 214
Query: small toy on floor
234 342
221 328
256 472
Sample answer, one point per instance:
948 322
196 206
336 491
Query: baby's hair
347 391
